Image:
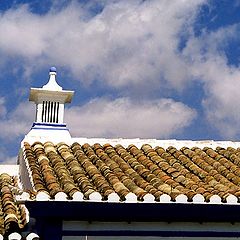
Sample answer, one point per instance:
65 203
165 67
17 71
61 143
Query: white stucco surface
12 170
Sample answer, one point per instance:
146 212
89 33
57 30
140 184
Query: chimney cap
51 90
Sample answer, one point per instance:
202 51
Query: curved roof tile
144 174
12 215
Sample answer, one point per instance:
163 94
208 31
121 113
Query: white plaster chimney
50 100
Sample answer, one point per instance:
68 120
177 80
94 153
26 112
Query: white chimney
50 100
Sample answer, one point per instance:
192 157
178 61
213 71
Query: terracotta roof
12 215
117 173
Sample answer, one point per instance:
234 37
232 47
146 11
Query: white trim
113 197
32 236
181 198
15 236
60 196
125 142
198 198
155 142
42 196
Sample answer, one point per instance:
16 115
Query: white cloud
222 101
18 122
221 80
14 125
129 42
124 118
102 117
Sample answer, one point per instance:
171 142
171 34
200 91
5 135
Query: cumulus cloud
102 117
222 101
129 45
128 42
14 125
124 118
17 122
132 44
221 80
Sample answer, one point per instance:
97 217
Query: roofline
138 142
125 142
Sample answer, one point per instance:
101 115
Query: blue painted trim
48 124
39 128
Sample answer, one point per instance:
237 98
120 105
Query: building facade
95 188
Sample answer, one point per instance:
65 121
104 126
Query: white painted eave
125 142
155 142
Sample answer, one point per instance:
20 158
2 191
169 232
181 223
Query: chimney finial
53 69
52 82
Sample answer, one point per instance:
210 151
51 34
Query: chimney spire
52 82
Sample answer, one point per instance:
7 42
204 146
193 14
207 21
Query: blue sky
149 69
